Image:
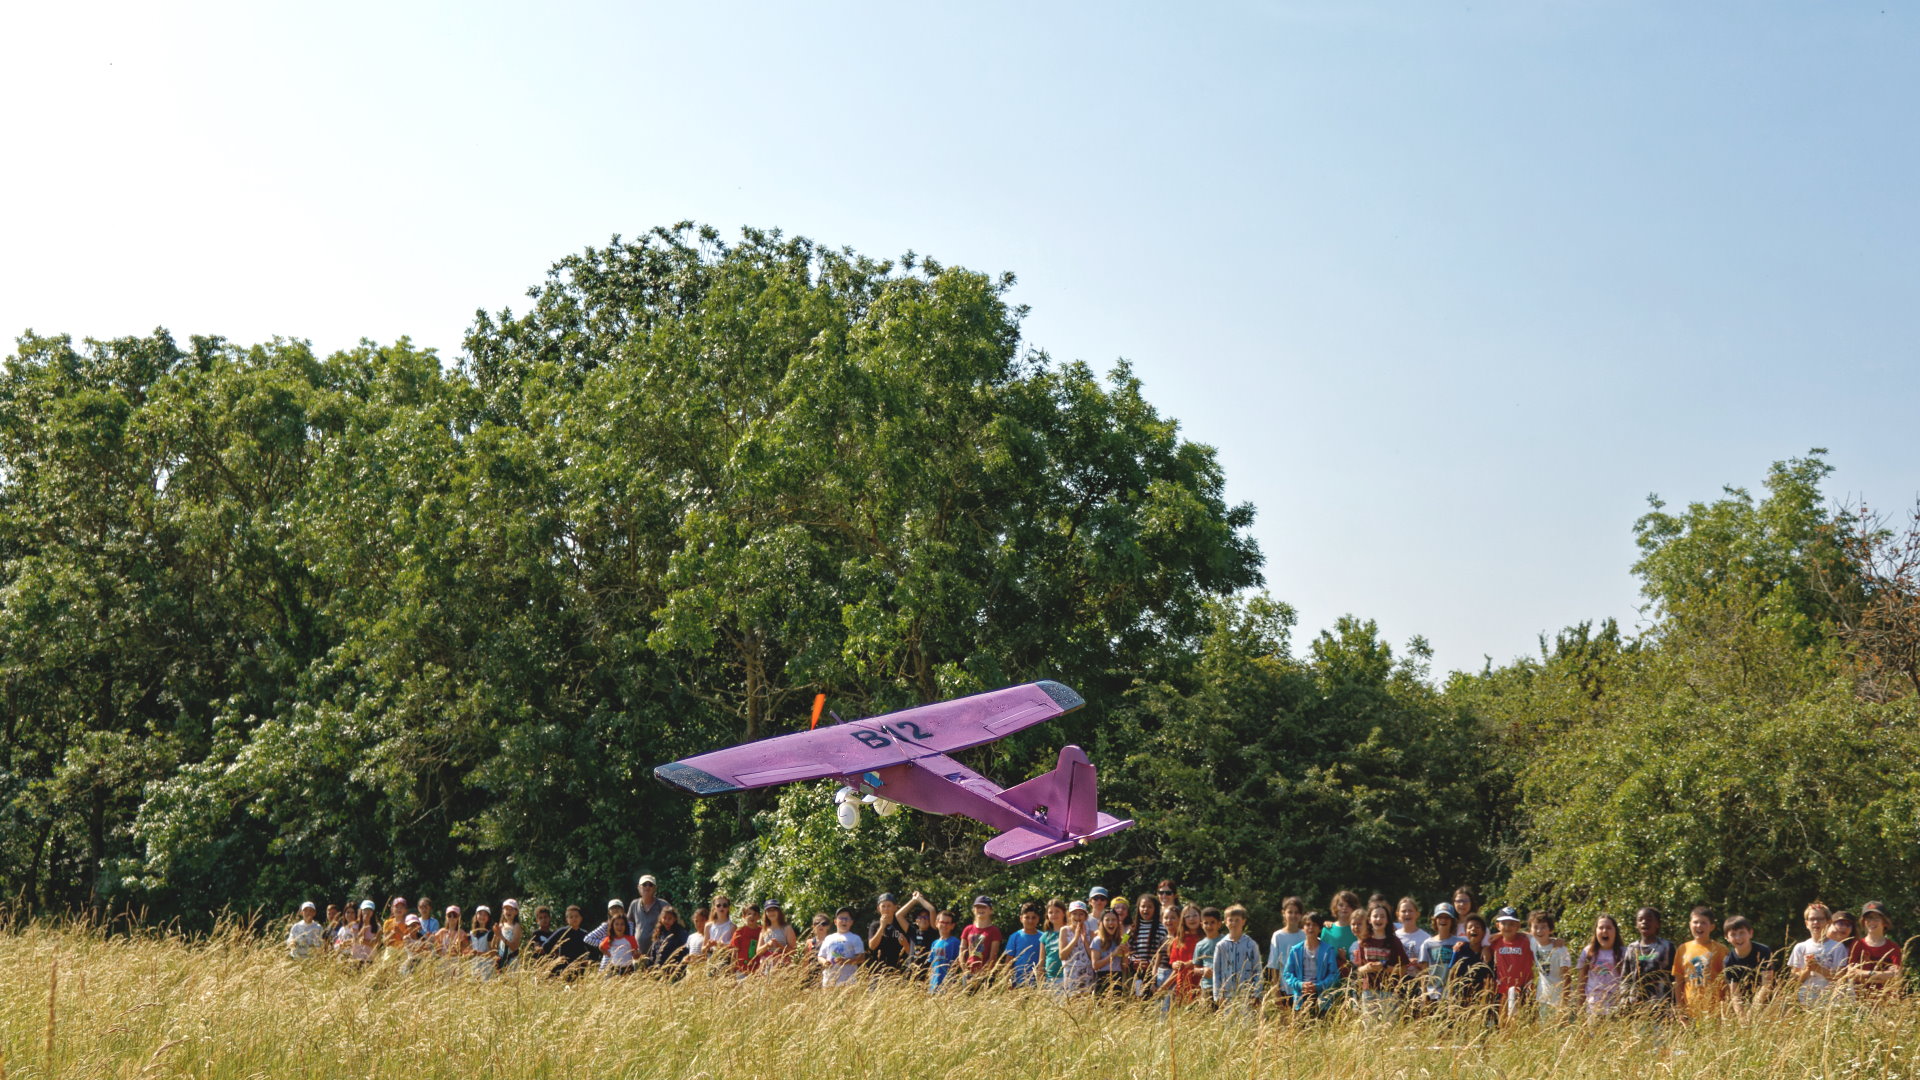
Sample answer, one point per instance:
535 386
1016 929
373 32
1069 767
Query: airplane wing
861 746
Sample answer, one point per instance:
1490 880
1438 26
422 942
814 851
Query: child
1470 980
1513 968
1204 950
362 937
1647 981
1183 937
1603 963
510 931
1023 946
777 940
480 942
667 947
1313 967
981 942
1076 950
1748 966
1464 903
1817 961
1873 961
719 926
306 935
1337 932
1148 940
1050 967
1551 958
887 942
1697 966
1292 932
1108 953
1436 956
571 953
1378 963
1412 938
746 939
1236 961
840 952
920 936
619 952
945 951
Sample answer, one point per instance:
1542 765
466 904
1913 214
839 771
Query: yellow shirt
1698 970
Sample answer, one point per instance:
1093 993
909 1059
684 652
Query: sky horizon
1452 292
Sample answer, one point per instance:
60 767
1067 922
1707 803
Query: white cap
509 902
616 903
1078 905
366 905
649 879
309 904
482 908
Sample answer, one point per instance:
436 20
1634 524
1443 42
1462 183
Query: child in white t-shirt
840 952
1552 959
1817 961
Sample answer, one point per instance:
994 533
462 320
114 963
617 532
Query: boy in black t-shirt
1647 978
887 942
1748 967
1470 972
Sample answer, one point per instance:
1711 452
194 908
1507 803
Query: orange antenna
819 702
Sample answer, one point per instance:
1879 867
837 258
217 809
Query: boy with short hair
1647 980
1313 967
1210 920
1748 965
944 952
1023 946
1513 968
746 939
1697 966
1817 962
1552 958
839 953
1292 932
1235 968
981 942
1470 979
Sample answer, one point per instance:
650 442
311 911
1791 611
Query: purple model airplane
902 758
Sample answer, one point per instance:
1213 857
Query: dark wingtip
1062 695
687 778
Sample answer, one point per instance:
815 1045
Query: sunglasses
1166 892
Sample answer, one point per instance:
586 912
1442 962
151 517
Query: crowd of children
1377 959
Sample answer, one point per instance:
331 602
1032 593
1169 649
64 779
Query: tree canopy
275 624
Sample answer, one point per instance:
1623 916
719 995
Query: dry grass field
77 1004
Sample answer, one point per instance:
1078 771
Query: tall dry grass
234 1007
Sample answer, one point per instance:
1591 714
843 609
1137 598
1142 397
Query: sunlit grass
232 1007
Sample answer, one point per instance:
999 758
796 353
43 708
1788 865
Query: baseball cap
1507 914
308 904
1098 890
482 908
413 920
1446 909
616 902
649 879
1875 907
887 898
771 905
983 901
453 909
509 902
1078 905
366 905
847 911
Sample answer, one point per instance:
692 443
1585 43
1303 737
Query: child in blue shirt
1313 967
1023 946
944 952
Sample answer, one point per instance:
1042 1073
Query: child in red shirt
1512 962
980 943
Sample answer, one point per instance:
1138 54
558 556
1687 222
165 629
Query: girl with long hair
1107 951
1602 963
1143 948
667 948
1379 962
619 952
777 938
1183 979
481 942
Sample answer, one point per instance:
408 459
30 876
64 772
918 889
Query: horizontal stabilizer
1022 845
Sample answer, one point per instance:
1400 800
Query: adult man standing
645 911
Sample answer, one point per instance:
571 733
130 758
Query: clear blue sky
1451 288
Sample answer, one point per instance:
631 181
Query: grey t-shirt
642 918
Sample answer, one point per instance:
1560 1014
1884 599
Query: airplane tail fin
1069 797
